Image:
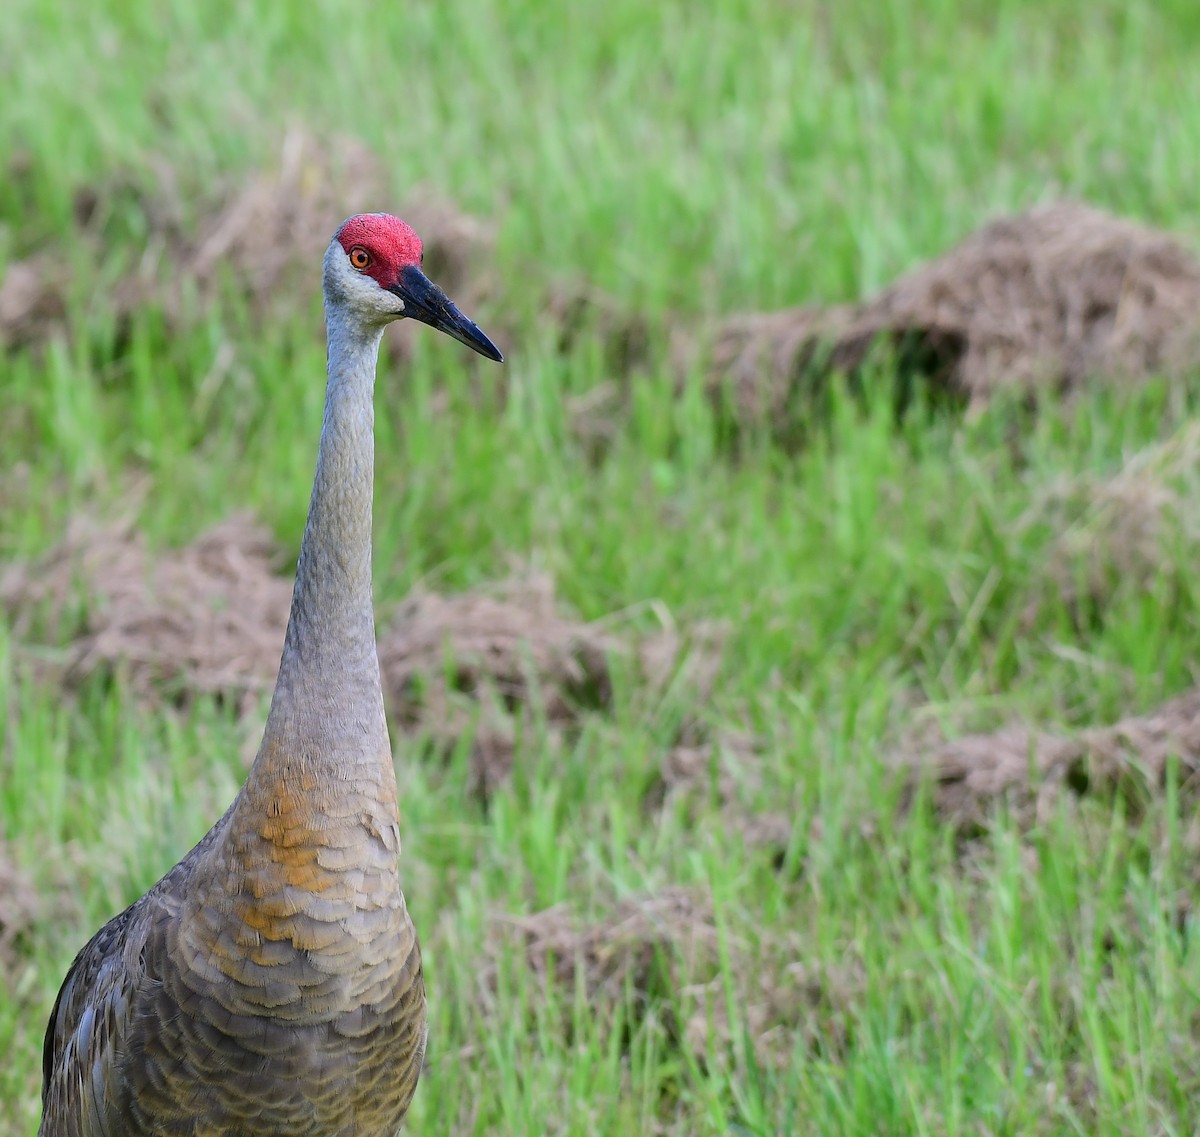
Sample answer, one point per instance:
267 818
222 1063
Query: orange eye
359 257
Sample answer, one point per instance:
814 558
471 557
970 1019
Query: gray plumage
270 984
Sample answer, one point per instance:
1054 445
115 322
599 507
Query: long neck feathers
313 836
327 697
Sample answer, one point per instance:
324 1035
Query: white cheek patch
360 291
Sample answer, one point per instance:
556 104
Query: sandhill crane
270 984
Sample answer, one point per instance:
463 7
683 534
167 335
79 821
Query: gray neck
329 673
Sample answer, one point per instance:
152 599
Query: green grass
690 161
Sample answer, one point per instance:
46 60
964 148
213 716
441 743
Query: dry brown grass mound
485 664
644 943
206 618
1043 299
263 238
665 947
721 769
210 618
20 908
1130 530
780 1003
579 311
29 906
494 664
33 295
260 234
515 640
1032 771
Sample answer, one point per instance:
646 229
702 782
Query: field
713 895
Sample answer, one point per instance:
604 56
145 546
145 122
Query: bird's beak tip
424 301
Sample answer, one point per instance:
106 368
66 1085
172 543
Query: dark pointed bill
424 301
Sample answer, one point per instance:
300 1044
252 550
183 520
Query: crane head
373 266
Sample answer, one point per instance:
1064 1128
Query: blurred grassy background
687 161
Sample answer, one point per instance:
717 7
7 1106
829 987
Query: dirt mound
33 295
262 238
205 618
779 1002
579 311
514 640
210 617
724 764
21 908
721 769
491 665
1130 530
1043 299
498 664
727 987
29 906
767 363
484 664
649 943
1031 771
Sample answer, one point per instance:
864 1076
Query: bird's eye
359 257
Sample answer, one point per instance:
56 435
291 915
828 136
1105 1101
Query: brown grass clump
1031 771
210 618
21 908
491 665
724 764
780 1003
205 618
32 299
1045 299
262 238
767 361
596 417
648 943
266 237
512 660
514 640
579 311
721 770
1124 531
664 947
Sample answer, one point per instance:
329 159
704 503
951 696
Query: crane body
270 984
